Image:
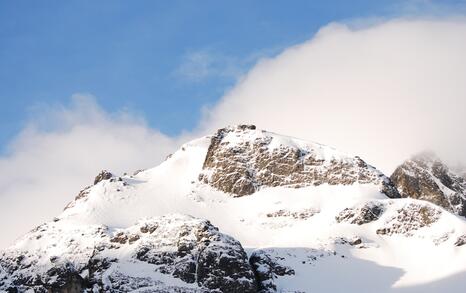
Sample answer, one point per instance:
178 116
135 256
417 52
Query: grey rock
426 177
186 248
410 218
243 168
103 175
369 212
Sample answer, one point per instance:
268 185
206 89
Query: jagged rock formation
240 160
403 219
267 268
98 258
426 177
103 175
409 219
369 212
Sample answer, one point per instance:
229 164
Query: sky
163 59
92 85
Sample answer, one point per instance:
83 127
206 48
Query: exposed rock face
405 219
182 248
426 177
267 269
240 160
297 215
369 212
461 240
409 219
103 175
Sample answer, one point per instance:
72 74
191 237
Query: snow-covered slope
310 219
173 253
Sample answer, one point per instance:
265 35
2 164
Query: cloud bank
382 91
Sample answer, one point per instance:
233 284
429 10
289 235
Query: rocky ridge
56 258
241 160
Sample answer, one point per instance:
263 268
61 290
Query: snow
267 219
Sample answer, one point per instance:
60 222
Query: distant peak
424 176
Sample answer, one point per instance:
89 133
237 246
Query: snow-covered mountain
292 216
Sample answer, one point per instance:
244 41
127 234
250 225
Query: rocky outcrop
427 178
103 175
369 212
241 160
166 254
461 240
392 216
409 219
267 268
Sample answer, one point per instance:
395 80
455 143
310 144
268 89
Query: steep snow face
426 177
315 220
173 253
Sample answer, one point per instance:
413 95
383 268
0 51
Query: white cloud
57 154
383 91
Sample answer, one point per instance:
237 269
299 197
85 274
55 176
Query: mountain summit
243 210
426 177
241 160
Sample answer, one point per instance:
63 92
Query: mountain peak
241 160
426 177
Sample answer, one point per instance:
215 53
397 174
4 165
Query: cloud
60 150
204 64
197 66
382 91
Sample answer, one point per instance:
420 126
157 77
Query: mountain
243 210
426 177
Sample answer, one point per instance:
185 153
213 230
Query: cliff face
426 177
241 160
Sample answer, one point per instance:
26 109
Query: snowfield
314 238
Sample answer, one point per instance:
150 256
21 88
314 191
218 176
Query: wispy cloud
204 64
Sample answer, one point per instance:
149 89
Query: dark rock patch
425 177
410 218
369 212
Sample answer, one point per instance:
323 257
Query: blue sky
162 59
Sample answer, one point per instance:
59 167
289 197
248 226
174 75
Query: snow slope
306 237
